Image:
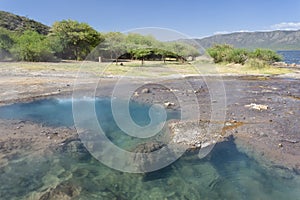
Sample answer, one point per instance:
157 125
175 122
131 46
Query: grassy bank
149 69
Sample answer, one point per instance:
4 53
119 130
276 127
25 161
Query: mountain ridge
275 40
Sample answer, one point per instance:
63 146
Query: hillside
17 23
276 40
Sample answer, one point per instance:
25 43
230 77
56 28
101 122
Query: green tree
182 50
32 46
76 40
142 53
114 45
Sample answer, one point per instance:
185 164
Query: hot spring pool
72 173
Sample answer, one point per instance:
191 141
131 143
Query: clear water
72 173
290 56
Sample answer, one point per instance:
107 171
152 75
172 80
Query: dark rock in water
149 147
282 172
75 148
296 169
64 190
144 158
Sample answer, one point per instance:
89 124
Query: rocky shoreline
261 113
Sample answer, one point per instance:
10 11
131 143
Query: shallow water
71 171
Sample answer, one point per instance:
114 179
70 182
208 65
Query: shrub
226 53
254 63
266 55
31 46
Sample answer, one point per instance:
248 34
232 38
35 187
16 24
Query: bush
228 54
6 42
33 47
266 55
223 53
254 63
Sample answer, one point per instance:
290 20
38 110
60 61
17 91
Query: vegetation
23 39
31 46
17 23
6 43
224 53
74 40
265 55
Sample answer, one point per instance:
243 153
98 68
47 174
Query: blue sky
196 18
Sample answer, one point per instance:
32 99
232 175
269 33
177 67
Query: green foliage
76 39
31 46
223 53
6 43
141 53
226 53
17 23
68 39
266 55
114 45
254 63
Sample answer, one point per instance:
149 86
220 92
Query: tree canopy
32 46
72 40
76 39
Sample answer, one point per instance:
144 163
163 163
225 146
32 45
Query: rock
280 145
193 134
293 65
149 147
145 90
296 169
63 191
144 160
169 104
257 106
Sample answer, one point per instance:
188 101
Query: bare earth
261 114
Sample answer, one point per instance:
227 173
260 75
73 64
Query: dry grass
134 68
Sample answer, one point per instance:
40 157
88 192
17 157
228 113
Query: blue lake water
290 56
225 173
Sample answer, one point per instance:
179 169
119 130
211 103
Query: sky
194 18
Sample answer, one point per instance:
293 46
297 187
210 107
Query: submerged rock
149 147
63 191
147 159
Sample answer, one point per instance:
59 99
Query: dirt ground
261 112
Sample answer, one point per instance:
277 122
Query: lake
290 57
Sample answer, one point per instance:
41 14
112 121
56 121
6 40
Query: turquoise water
71 172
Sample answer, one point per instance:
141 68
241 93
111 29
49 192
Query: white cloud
286 26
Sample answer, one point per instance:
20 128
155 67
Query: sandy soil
261 114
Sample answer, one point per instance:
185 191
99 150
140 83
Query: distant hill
276 40
17 23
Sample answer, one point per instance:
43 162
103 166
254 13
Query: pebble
145 90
